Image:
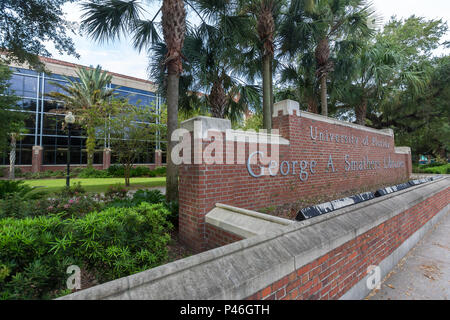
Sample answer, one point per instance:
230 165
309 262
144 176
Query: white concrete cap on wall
405 150
201 125
287 106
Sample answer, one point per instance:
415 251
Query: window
23 85
50 125
51 106
51 87
27 104
29 86
30 123
16 86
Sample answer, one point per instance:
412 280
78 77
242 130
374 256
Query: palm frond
107 19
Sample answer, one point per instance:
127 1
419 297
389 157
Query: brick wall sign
306 155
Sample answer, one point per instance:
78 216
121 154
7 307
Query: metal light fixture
69 119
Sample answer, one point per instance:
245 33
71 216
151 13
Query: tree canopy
26 26
10 121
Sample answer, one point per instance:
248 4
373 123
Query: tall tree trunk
90 146
323 95
312 105
361 112
12 157
174 28
324 66
127 171
172 124
271 88
218 100
267 115
266 28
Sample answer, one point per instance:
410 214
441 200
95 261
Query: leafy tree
84 98
422 121
25 26
253 122
415 36
129 128
10 115
366 78
418 113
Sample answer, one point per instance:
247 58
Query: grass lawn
95 185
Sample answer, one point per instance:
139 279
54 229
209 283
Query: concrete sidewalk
424 273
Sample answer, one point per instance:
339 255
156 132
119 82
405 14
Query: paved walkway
424 273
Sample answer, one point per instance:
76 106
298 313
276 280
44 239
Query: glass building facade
44 125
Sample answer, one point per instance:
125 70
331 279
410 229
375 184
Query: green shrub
173 208
93 173
15 206
116 242
80 204
160 171
140 172
431 165
117 191
18 172
72 191
77 206
116 171
443 169
149 196
32 271
9 187
30 175
58 174
122 241
39 175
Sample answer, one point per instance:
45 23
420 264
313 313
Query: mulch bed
177 250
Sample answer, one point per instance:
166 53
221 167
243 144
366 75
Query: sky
120 57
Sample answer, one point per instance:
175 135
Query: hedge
116 242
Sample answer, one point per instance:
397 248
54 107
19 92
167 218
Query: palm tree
372 75
84 98
208 68
325 23
265 14
107 19
174 28
301 76
17 133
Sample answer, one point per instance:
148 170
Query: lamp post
69 119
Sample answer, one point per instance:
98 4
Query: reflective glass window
29 86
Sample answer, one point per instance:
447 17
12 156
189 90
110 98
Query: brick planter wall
217 237
336 272
201 186
322 258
